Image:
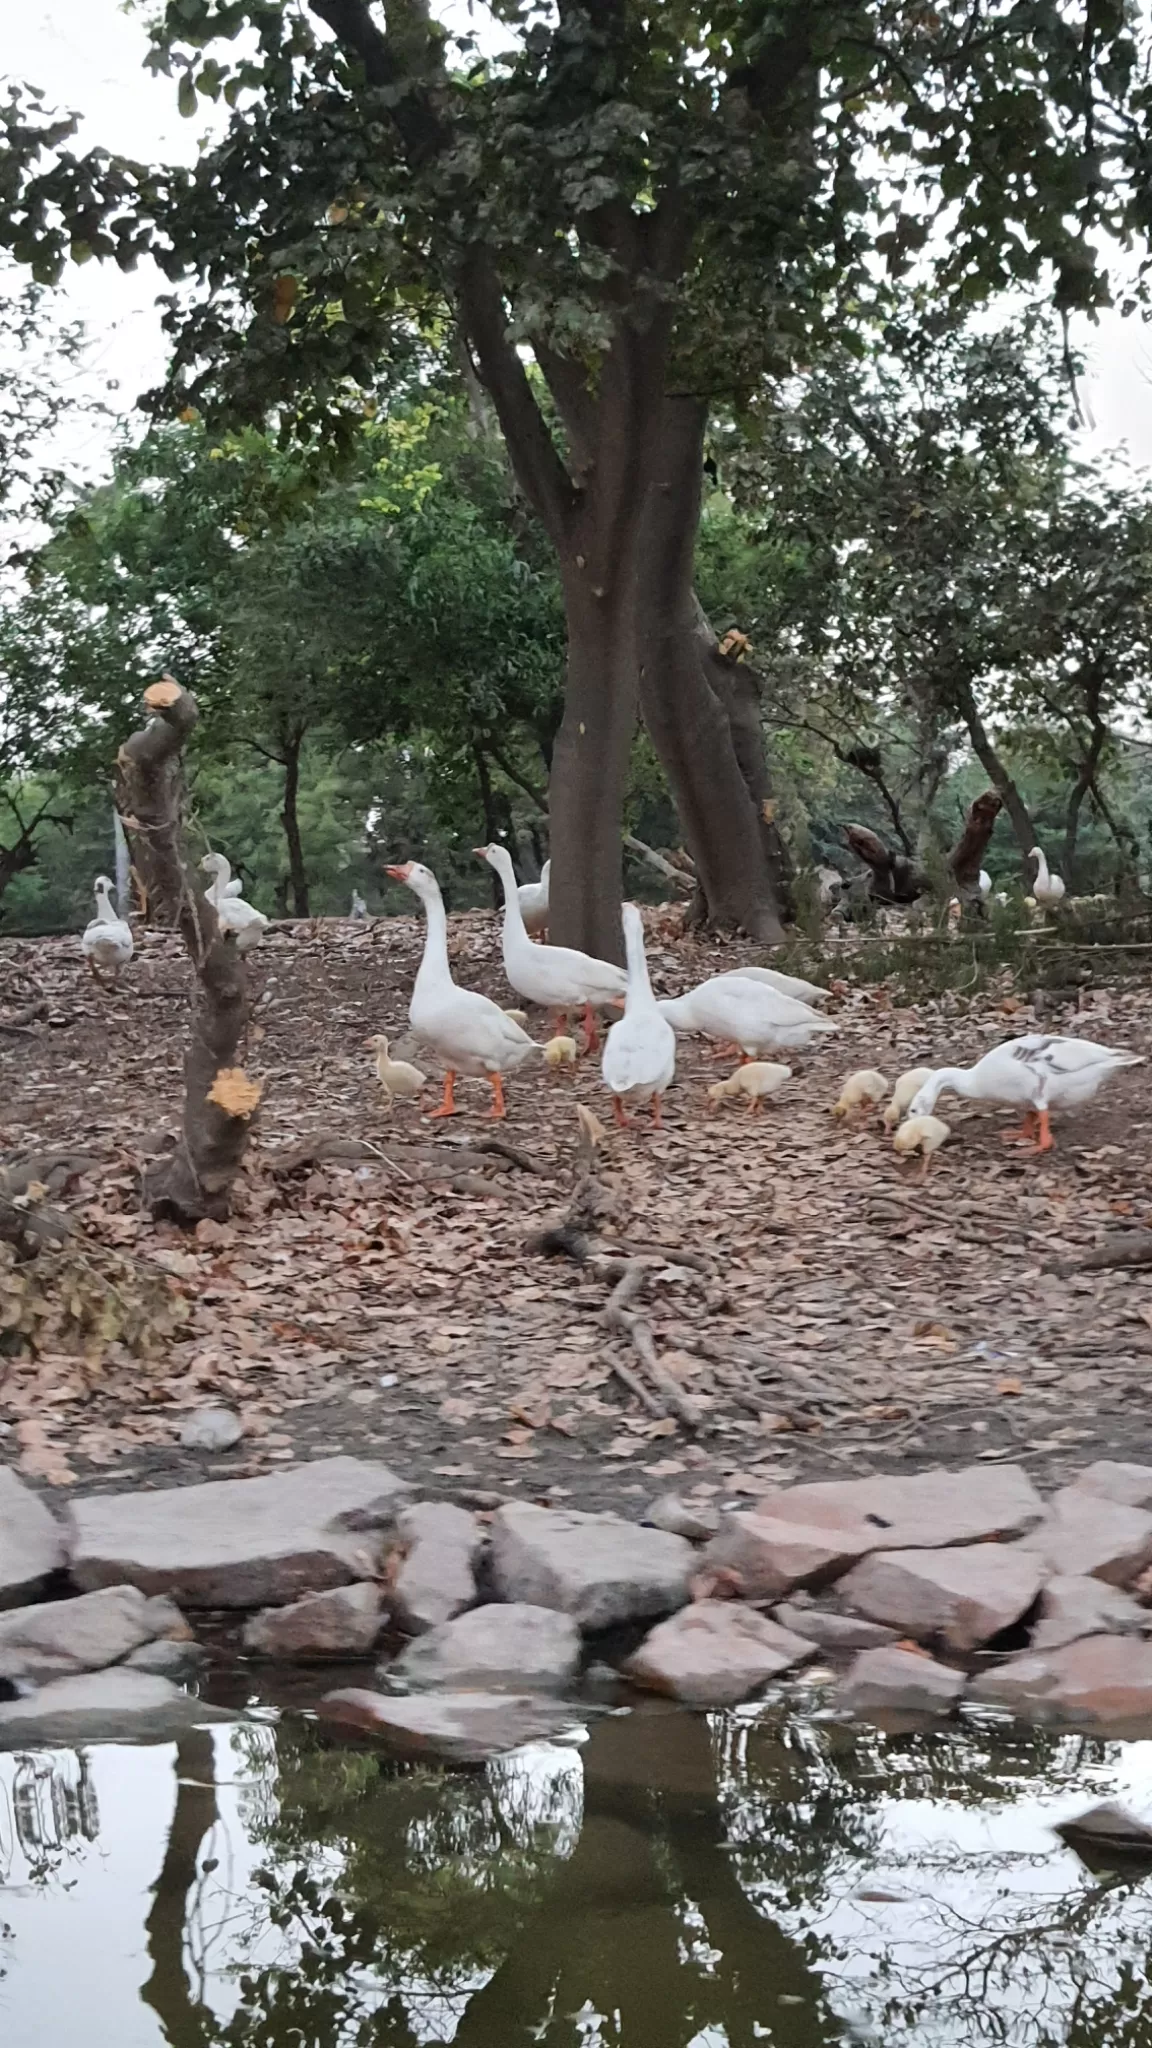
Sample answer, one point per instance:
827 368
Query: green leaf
186 96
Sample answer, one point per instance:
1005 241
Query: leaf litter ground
821 1312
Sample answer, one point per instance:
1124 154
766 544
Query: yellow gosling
923 1134
907 1086
560 1051
396 1077
861 1091
757 1080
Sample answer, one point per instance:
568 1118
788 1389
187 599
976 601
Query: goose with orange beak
470 1034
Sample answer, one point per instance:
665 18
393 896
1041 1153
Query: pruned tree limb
195 1181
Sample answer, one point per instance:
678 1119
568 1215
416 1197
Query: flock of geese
754 1011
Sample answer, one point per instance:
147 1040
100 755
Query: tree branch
533 453
418 122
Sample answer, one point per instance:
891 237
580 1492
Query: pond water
676 1881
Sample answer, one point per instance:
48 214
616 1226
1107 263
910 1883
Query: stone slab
937 1509
59 1638
1084 1536
959 1598
600 1569
1095 1682
899 1681
714 1654
437 1578
770 1558
1074 1607
343 1622
459 1727
103 1706
31 1542
498 1648
1130 1485
240 1542
834 1631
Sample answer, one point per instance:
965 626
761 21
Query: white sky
87 55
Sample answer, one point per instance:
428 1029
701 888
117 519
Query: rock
31 1542
1107 1834
1095 1682
240 1542
59 1638
168 1659
512 1648
344 1622
598 1568
211 1429
900 1679
677 1518
923 1511
714 1654
461 1727
437 1578
770 1558
1130 1485
1083 1536
103 1706
1075 1607
960 1598
834 1631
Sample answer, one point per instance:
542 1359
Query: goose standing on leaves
639 1056
533 899
1035 1073
557 977
784 984
1048 889
236 918
747 1014
107 941
470 1034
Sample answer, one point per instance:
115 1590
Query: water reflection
677 1883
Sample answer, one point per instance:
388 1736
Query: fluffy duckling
519 1017
396 1077
861 1091
560 1051
923 1134
907 1086
757 1080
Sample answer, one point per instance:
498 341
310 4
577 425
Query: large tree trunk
290 819
968 853
195 1180
1022 826
589 776
688 720
182 2016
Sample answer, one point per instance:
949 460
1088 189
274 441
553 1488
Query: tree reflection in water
678 1883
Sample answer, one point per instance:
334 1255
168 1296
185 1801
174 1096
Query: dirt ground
847 1320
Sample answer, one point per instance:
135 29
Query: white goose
785 984
107 941
558 977
236 918
533 900
222 885
1036 1073
745 1013
1048 889
471 1035
640 1051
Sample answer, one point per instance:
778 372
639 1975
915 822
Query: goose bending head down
470 1034
107 941
557 977
1035 1073
1048 889
640 1051
747 1014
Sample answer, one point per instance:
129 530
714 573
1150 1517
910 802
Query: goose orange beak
481 852
400 874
